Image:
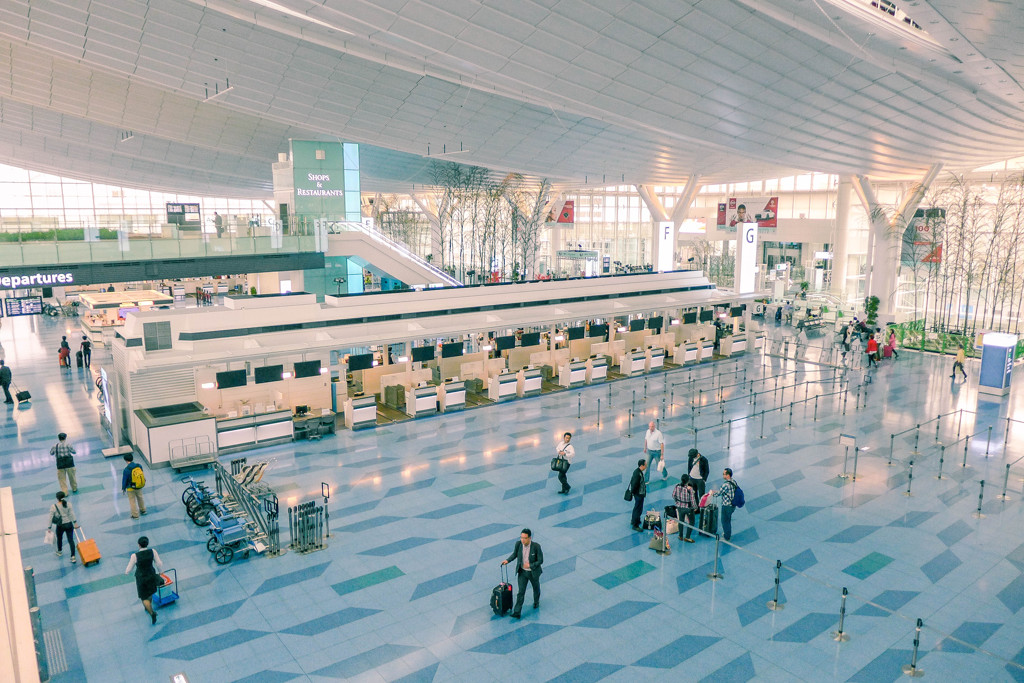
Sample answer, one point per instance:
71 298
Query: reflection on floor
424 510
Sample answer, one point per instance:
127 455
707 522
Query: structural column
841 246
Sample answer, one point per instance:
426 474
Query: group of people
63 520
64 352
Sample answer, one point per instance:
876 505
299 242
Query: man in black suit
529 558
638 487
698 469
5 382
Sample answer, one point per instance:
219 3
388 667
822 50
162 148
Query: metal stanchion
599 413
700 399
762 425
981 496
967 442
774 603
856 454
846 395
728 446
1006 436
960 423
579 405
633 404
325 492
911 669
938 425
910 479
790 425
839 635
671 400
609 394
645 388
815 408
892 444
917 437
629 425
695 438
715 575
988 443
942 459
693 417
1006 478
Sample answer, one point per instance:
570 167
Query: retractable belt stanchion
839 635
774 603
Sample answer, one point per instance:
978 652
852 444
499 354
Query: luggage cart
167 591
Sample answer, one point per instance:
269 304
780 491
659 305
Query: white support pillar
681 211
841 246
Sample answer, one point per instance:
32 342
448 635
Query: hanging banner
739 210
922 239
565 218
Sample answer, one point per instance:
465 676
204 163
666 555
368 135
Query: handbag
661 464
559 464
629 494
49 537
671 526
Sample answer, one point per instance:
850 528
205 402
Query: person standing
685 499
847 334
64 453
218 223
892 344
698 469
654 449
872 350
961 356
146 578
567 452
132 482
5 382
86 351
727 493
529 558
638 490
62 515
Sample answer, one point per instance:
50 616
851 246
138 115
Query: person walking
847 334
892 344
86 351
132 482
654 449
637 492
727 493
218 224
64 452
145 561
5 382
698 469
872 350
961 356
62 516
529 560
685 499
567 452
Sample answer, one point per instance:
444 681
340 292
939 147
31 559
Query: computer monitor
269 373
690 318
707 316
636 325
360 361
736 311
598 330
421 354
531 339
308 368
575 332
452 349
231 378
505 343
655 323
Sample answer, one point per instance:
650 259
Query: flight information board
26 305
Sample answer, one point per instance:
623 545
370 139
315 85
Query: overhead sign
36 280
746 259
182 214
27 305
577 255
739 210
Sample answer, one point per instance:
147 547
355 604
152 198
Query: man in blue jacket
131 486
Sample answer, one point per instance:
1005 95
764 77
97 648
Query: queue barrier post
978 514
839 635
911 669
774 604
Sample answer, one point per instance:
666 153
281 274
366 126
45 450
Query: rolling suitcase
22 396
887 352
709 520
501 596
88 553
79 359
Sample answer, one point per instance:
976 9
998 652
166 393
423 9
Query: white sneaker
59 553
73 559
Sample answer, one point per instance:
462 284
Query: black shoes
565 491
517 616
152 615
536 605
636 528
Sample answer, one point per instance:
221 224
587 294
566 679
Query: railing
335 227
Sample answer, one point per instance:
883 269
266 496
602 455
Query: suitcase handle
504 573
78 532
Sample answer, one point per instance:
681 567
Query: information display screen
598 330
231 378
736 311
451 350
269 373
309 368
505 343
422 354
707 316
530 339
690 318
636 325
655 323
362 361
25 305
575 332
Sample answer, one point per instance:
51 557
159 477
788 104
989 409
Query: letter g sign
748 235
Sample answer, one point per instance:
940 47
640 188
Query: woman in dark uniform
147 580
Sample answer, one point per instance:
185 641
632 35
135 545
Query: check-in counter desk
169 434
451 396
756 340
687 352
573 373
707 348
250 431
503 387
632 362
529 382
597 369
732 345
655 358
421 401
361 412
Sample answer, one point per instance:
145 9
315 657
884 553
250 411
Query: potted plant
871 305
804 286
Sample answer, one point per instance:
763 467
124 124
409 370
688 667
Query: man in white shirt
565 451
654 448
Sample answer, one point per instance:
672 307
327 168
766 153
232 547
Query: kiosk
632 362
361 412
503 387
572 373
529 382
451 396
996 363
597 369
655 359
421 400
178 435
104 312
706 348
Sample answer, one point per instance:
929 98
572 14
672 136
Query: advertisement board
739 210
922 239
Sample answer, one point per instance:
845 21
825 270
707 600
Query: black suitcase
79 359
709 520
22 396
501 596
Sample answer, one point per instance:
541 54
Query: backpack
138 478
737 496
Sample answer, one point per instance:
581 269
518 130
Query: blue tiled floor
422 513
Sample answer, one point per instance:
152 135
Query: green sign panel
326 177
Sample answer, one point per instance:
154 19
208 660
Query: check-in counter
655 358
503 387
755 340
174 434
250 431
529 382
687 352
421 401
730 346
632 362
597 369
573 373
361 412
707 349
451 396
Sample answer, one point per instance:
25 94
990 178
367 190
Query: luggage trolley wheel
223 555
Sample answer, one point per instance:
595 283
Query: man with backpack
732 498
133 480
65 452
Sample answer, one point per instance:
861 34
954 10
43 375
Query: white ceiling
581 91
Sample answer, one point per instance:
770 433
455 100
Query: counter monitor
451 350
655 323
269 373
505 343
598 330
575 332
707 316
636 325
531 339
690 318
421 354
309 368
736 311
231 378
360 361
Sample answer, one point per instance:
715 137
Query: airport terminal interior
317 290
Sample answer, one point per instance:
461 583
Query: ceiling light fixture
270 4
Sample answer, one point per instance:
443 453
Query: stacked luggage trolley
241 514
